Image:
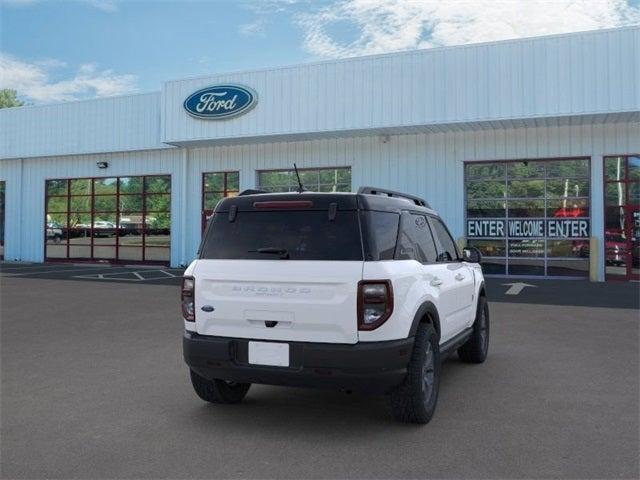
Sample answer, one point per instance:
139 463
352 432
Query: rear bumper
373 367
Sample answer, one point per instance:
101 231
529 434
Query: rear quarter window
380 232
304 235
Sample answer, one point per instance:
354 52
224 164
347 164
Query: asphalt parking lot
93 386
145 274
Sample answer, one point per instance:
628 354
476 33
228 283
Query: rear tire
414 401
475 349
218 391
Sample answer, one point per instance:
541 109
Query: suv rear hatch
281 267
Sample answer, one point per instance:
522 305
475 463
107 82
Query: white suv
359 292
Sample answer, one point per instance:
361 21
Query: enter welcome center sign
524 228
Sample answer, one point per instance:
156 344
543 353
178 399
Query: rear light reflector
188 299
282 204
375 303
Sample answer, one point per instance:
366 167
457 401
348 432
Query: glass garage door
314 180
530 218
215 187
622 217
117 219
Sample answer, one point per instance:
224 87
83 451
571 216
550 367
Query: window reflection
315 180
535 207
485 208
106 219
615 193
215 187
634 168
614 168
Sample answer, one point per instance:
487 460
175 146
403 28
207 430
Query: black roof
322 201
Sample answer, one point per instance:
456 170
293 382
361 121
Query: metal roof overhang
498 124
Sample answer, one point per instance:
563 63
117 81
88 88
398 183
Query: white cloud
253 28
33 81
388 25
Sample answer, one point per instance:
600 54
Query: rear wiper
284 254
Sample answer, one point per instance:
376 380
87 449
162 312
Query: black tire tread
404 403
471 351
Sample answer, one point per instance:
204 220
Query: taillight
375 303
188 299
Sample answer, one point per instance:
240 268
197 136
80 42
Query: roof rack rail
251 191
391 193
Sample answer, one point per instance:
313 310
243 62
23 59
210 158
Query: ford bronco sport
358 291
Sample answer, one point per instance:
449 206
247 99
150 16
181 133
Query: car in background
53 232
103 228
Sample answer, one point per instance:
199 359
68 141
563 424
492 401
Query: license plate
269 353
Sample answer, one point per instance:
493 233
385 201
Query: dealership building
529 149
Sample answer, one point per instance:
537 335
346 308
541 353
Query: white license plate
269 353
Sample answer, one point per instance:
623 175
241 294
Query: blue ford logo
220 101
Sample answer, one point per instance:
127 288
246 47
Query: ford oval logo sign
220 101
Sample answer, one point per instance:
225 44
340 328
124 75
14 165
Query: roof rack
390 193
251 191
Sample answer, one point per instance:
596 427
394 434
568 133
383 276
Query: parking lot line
140 275
57 270
169 274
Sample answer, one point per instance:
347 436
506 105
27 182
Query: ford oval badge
220 101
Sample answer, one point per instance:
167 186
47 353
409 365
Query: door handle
459 277
436 282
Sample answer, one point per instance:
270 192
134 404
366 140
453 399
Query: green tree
9 98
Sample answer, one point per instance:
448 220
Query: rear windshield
287 235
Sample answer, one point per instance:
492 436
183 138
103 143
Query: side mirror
471 255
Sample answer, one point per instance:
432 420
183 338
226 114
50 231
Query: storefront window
530 217
215 187
109 219
622 217
314 180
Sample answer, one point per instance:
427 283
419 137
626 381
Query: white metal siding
564 75
102 125
429 165
24 235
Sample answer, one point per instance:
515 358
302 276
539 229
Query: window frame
545 176
225 193
303 170
626 181
91 213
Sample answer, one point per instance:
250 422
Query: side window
380 234
448 251
415 241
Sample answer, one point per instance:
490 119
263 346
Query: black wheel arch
426 313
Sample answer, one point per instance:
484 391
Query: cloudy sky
59 50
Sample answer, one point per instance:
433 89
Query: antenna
300 186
